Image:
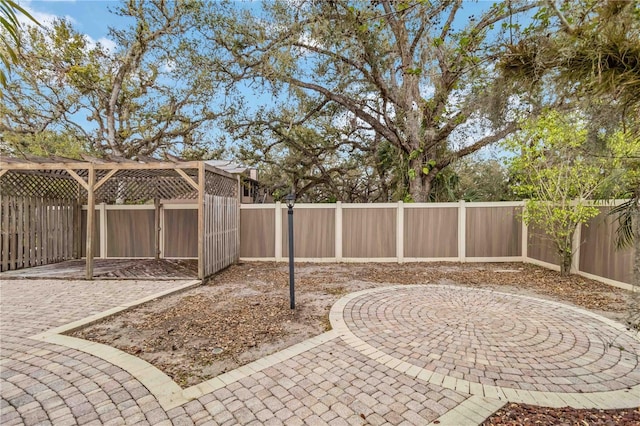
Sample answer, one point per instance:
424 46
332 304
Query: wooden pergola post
91 211
201 190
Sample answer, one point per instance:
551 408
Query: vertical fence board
5 233
45 233
12 233
27 233
20 235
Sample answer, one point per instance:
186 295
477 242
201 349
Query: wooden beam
218 171
91 212
186 177
43 166
201 188
79 179
99 166
156 203
104 179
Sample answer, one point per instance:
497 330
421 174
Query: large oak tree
419 74
146 95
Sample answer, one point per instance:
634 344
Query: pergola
61 185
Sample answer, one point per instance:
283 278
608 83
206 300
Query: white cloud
45 19
108 44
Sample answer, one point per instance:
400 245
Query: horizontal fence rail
423 232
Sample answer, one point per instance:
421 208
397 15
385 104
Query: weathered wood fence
36 231
424 232
221 233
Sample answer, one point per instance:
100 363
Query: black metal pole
292 296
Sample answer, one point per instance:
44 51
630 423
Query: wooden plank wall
180 232
540 247
598 252
130 233
369 232
258 233
493 231
431 232
221 227
314 233
97 223
35 231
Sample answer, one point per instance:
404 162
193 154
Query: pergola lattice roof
127 181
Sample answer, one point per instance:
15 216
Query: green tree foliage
592 46
320 160
556 178
409 72
10 35
148 95
481 179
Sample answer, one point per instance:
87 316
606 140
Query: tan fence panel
257 233
598 252
369 232
96 234
314 232
493 231
130 233
431 232
180 232
540 247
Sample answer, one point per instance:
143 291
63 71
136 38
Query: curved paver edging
168 393
626 397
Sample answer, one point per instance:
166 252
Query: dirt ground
242 313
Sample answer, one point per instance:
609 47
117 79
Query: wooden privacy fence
221 233
423 232
131 231
36 231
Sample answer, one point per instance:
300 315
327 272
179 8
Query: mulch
242 314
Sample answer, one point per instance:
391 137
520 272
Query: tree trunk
419 184
565 264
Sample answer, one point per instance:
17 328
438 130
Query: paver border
623 398
483 400
168 393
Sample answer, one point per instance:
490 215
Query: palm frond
624 233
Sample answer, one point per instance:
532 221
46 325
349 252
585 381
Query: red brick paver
406 355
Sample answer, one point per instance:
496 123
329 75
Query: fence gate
221 233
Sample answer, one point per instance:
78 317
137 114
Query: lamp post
291 200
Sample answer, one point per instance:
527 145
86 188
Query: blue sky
93 18
88 16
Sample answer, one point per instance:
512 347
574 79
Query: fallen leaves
242 314
524 415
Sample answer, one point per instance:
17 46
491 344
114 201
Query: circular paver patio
492 338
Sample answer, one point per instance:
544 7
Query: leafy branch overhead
145 95
406 72
10 11
557 179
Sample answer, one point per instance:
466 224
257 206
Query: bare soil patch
242 313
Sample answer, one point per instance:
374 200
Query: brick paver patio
397 355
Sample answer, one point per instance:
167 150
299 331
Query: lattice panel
220 185
39 184
130 186
136 186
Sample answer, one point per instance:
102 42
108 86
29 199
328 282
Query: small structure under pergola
41 208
